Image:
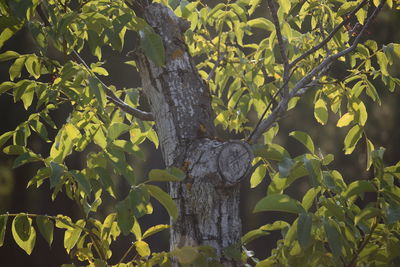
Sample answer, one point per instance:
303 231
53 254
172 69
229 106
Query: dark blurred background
382 128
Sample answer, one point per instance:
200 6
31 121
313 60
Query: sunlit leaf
46 228
155 229
303 138
345 120
23 232
261 23
72 235
142 248
356 188
352 138
366 214
258 175
164 199
8 55
278 202
321 111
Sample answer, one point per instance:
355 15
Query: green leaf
393 213
3 226
168 175
23 232
345 120
362 113
46 228
352 138
251 235
27 97
164 199
254 4
358 187
98 91
72 235
25 158
277 225
261 23
278 202
185 255
8 55
5 86
334 237
285 166
258 175
304 229
285 5
152 46
116 129
139 201
270 151
309 197
14 150
125 218
5 137
33 66
100 71
16 68
82 181
383 62
56 172
142 248
303 138
347 7
321 111
313 167
366 214
155 229
370 148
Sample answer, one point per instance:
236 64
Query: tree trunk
208 199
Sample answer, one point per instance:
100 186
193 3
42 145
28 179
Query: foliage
333 227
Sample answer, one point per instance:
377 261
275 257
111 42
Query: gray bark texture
208 199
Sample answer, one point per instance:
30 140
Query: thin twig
306 80
143 115
329 37
281 45
126 253
273 100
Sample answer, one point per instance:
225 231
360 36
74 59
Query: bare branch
281 45
143 115
329 37
306 81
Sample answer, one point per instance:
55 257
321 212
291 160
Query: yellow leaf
142 248
345 120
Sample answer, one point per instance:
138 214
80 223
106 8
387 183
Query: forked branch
329 37
281 45
301 86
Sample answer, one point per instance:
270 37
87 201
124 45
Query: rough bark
208 199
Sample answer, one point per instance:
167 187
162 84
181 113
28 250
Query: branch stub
234 161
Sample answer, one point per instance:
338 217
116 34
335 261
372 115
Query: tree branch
281 45
329 37
306 80
143 115
146 116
